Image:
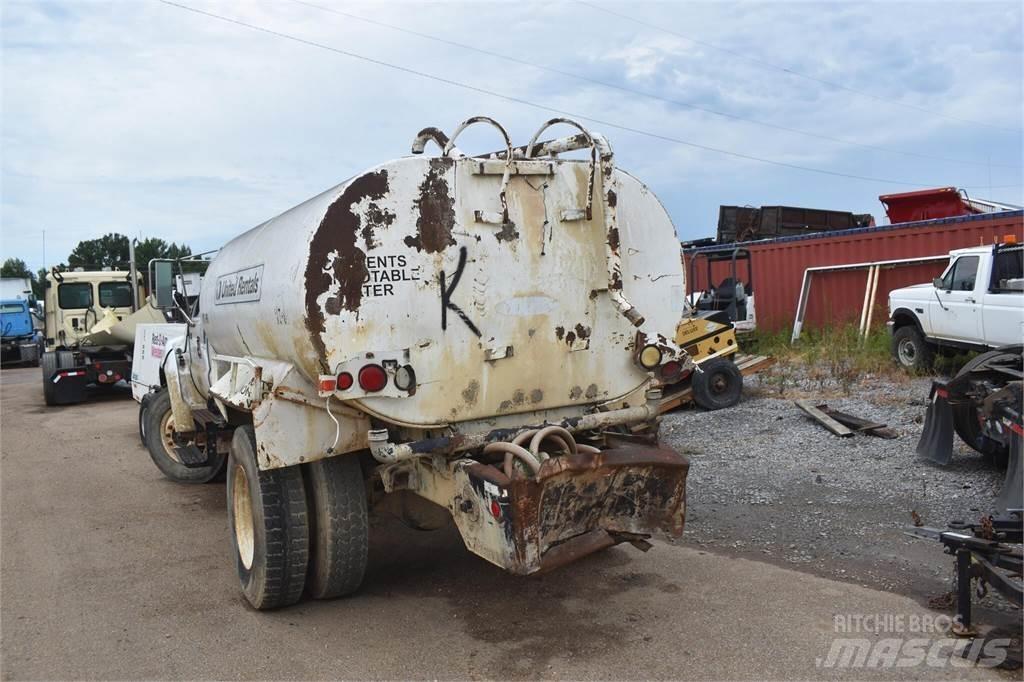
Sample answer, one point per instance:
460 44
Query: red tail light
344 381
496 510
373 378
671 369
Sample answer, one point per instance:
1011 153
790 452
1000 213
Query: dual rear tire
298 529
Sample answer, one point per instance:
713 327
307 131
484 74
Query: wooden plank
823 419
859 424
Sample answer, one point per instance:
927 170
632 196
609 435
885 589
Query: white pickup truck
977 304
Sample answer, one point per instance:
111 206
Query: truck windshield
12 308
115 294
74 295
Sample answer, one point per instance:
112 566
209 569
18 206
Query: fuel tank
510 283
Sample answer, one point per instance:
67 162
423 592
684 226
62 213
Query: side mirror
161 283
938 283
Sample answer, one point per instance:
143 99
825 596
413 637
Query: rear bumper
574 506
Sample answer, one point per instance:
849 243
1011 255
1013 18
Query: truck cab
976 304
18 338
76 301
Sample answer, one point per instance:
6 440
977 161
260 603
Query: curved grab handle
482 216
588 210
554 121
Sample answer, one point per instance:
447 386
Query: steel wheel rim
167 436
907 352
719 383
241 503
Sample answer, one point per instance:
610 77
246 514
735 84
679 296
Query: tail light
405 378
373 378
671 369
344 381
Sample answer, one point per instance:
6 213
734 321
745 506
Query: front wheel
718 384
910 350
156 427
269 526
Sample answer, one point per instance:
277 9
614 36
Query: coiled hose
556 436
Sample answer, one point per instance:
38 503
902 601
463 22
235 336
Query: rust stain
613 239
337 233
536 395
436 207
507 233
471 392
376 217
575 393
570 338
560 333
591 391
582 331
612 198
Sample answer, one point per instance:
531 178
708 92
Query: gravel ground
767 482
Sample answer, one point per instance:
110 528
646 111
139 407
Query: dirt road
110 571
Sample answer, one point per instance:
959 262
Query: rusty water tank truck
441 336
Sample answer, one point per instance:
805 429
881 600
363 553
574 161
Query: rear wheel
49 364
910 350
157 430
339 529
718 384
268 519
65 359
967 418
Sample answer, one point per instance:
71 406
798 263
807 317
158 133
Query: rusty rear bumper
576 504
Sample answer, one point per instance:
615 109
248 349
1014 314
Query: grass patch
832 357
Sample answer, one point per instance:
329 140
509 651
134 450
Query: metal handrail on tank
486 216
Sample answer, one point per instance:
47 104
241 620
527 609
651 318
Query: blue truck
19 340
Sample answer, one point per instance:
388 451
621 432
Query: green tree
109 251
154 247
15 267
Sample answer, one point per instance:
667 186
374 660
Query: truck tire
719 385
965 417
65 359
49 364
910 350
338 526
269 526
142 418
156 422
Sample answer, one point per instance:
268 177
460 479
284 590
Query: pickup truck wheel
910 350
49 364
339 528
719 385
269 526
156 428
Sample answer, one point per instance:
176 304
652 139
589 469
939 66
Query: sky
143 118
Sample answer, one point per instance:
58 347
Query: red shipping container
837 297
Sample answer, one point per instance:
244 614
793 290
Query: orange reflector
1009 239
328 383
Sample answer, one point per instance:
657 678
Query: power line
542 107
643 93
792 72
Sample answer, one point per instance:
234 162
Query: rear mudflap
936 441
574 506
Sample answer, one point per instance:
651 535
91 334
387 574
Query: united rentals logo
239 287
